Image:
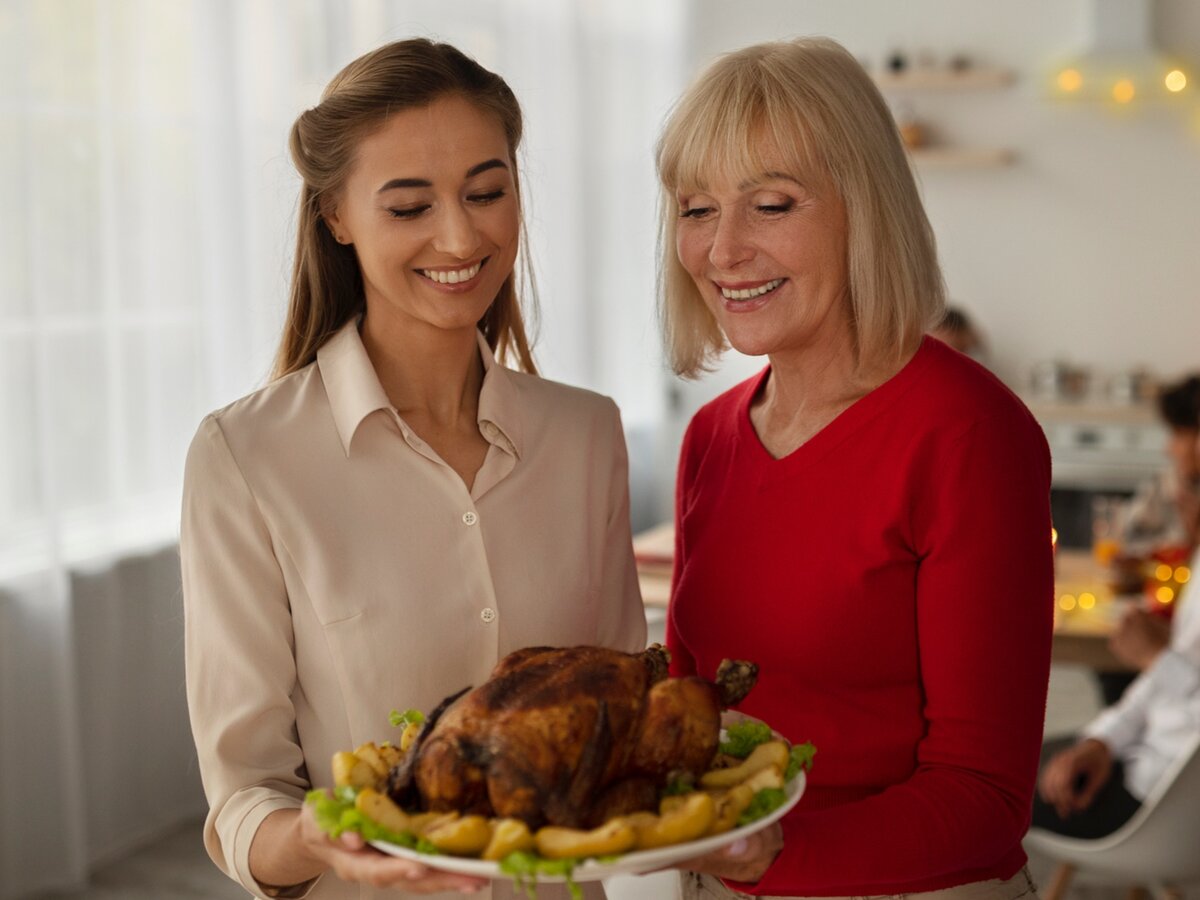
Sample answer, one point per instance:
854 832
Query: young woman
396 511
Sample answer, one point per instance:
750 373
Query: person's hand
352 859
1070 780
745 859
1139 638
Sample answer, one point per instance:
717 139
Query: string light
1087 601
1123 91
1175 81
1163 572
1070 80
1164 595
1183 574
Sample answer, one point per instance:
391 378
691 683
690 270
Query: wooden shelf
961 157
944 80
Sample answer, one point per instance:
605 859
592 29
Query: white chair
1158 848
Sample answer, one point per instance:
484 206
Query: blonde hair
327 288
809 100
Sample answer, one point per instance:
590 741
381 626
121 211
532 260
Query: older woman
397 510
868 519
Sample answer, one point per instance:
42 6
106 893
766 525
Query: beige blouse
334 569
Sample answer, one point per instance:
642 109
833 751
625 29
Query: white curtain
145 238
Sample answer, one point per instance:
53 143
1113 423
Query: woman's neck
806 390
427 373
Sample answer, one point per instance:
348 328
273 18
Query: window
145 244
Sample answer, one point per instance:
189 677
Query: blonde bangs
741 128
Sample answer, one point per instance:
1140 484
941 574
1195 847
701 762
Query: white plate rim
637 862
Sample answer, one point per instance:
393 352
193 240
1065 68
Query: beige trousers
694 886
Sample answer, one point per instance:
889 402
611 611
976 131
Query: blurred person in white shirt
1092 785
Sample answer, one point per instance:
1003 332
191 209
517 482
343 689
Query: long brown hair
327 288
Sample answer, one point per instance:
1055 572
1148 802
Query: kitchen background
144 244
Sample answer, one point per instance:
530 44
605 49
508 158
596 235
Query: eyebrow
425 182
769 176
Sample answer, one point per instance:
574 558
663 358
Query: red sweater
893 579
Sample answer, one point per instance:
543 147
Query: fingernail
737 848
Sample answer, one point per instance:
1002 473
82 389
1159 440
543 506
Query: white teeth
452 276
752 292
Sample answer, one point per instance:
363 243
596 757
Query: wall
1085 248
96 753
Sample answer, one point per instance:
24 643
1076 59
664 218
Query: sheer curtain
144 249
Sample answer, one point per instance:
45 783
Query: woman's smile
747 296
455 280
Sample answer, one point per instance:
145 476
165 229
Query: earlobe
330 218
336 232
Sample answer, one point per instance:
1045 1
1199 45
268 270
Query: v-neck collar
843 426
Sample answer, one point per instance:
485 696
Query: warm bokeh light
1163 572
1123 91
1087 601
1183 574
1070 80
1067 602
1053 537
1105 550
1164 594
1175 81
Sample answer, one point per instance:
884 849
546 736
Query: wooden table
1085 611
654 551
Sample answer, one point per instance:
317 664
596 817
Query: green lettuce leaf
764 801
406 718
742 738
800 757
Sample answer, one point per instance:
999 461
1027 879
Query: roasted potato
770 777
508 836
690 820
349 770
467 836
408 735
391 754
614 836
423 823
730 804
379 808
370 754
671 803
772 753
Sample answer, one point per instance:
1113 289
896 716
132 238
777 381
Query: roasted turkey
567 736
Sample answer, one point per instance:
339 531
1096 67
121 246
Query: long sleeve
239 652
1121 725
892 578
623 623
682 661
984 608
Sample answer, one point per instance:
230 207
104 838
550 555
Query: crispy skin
680 728
564 735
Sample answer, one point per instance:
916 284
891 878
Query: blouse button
487 614
469 518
